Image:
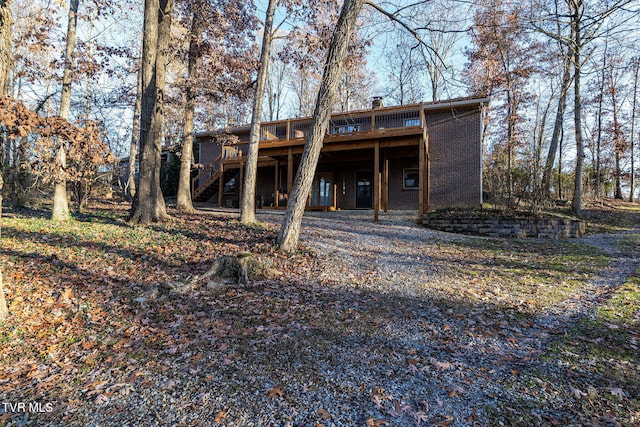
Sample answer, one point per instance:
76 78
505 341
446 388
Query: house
423 156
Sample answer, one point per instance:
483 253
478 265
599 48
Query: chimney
377 102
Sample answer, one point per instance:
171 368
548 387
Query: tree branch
412 31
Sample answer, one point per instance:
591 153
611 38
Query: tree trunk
290 230
599 128
575 6
184 202
6 21
618 144
135 136
60 210
547 176
148 204
247 214
634 103
4 310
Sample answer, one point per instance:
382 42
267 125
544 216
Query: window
411 179
345 129
230 186
412 122
322 191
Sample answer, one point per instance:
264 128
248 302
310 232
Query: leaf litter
371 324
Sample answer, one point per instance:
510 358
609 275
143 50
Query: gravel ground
368 337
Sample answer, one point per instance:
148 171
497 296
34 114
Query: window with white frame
410 179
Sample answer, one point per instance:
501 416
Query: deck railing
344 124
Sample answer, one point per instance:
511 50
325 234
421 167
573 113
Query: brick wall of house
456 159
399 197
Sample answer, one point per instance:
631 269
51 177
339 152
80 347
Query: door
364 190
322 190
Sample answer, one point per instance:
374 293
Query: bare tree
135 137
345 27
635 66
247 214
6 22
60 210
148 204
183 200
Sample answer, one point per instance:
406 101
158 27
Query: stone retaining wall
549 228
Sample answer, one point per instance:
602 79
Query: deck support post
220 184
424 184
376 180
289 171
276 185
385 182
240 184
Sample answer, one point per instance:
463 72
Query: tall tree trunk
135 137
183 201
60 210
6 22
618 144
599 127
634 103
290 230
547 176
248 214
575 9
148 204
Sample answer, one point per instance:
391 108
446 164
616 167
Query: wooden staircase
203 191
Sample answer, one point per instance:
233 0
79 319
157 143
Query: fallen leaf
617 391
324 414
455 390
577 393
220 416
443 366
101 399
277 391
376 423
448 419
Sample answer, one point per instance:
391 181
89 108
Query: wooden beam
427 173
220 185
424 185
241 185
289 171
276 187
376 181
385 182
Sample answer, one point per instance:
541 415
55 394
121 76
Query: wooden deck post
335 197
424 184
385 182
376 180
220 184
289 171
276 187
240 184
